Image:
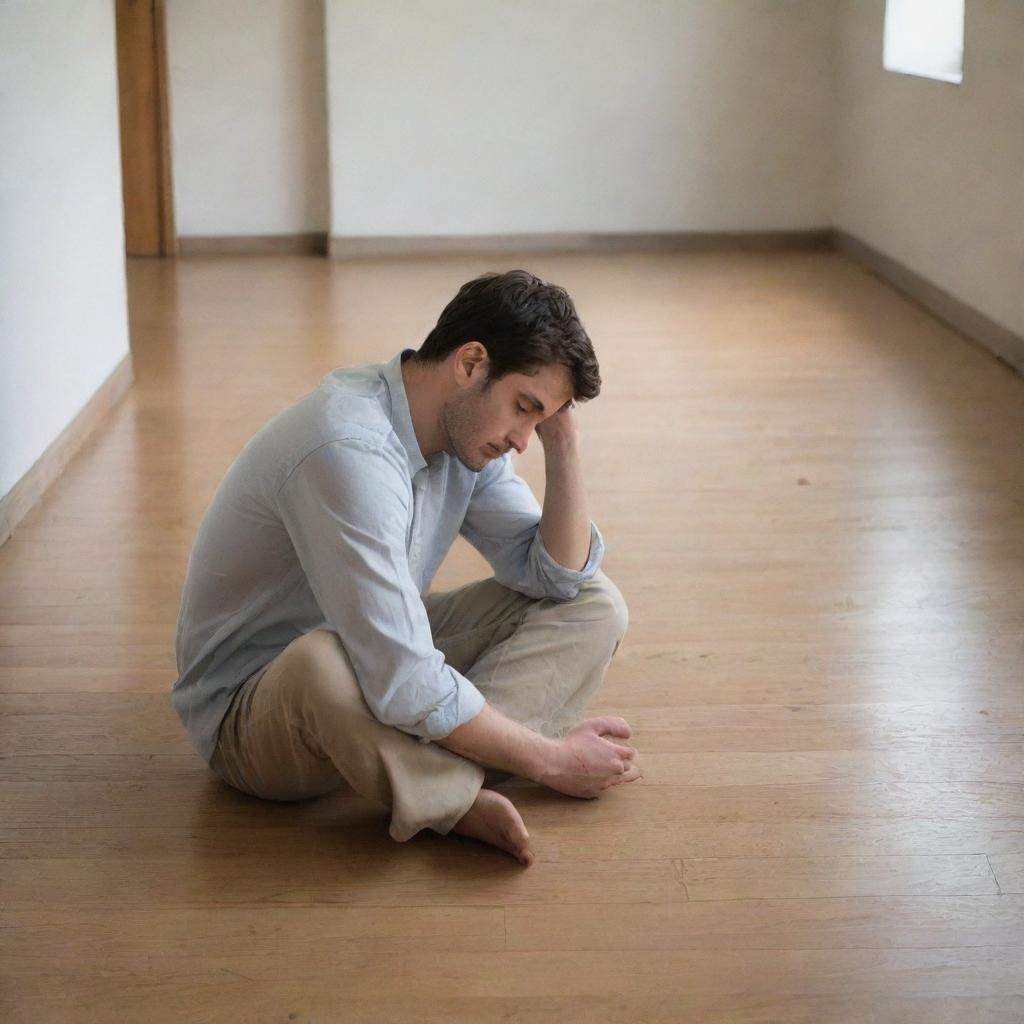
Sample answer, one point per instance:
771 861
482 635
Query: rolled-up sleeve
503 524
346 508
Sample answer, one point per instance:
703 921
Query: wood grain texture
744 878
812 495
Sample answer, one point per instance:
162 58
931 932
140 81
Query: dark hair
523 323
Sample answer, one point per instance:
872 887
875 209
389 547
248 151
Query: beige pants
300 727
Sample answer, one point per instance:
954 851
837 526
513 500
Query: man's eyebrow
538 404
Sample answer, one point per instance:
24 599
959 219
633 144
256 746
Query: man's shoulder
363 381
349 403
347 411
343 423
355 396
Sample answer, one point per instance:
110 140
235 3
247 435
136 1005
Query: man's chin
473 467
474 459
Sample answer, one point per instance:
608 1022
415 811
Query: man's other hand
588 759
561 429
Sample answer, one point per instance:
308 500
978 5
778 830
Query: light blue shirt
331 518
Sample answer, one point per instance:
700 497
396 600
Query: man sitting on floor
311 655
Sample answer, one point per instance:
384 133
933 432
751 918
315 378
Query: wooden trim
27 492
1000 341
253 245
359 247
143 110
168 235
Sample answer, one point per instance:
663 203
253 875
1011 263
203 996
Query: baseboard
24 495
999 340
361 247
312 244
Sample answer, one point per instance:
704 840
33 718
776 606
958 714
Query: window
925 37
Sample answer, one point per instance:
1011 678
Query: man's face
482 423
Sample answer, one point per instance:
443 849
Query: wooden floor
813 499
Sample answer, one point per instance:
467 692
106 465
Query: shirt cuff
463 705
565 583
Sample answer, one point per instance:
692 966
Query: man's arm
588 759
504 523
346 516
564 524
346 508
582 763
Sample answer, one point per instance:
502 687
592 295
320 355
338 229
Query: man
310 653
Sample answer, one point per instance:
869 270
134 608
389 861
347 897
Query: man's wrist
539 758
496 741
562 445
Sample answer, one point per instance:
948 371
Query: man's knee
605 604
318 667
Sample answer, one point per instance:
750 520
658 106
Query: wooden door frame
147 110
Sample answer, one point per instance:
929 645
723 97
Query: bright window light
925 37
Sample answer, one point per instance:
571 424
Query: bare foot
494 819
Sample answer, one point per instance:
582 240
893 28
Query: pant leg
539 662
301 728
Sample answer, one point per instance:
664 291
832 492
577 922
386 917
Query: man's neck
426 399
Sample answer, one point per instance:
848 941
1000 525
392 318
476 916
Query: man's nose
520 439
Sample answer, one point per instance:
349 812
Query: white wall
538 116
248 124
63 321
468 117
932 174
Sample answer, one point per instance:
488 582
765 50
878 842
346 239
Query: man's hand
587 760
561 429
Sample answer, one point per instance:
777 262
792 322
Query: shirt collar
401 416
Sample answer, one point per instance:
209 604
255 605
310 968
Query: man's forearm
565 522
587 760
493 740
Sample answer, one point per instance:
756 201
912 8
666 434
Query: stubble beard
459 417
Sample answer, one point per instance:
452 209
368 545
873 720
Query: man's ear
472 364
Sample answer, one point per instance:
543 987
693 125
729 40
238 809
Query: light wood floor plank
320 974
86 1003
890 922
348 873
745 878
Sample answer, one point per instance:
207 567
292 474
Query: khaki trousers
300 727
